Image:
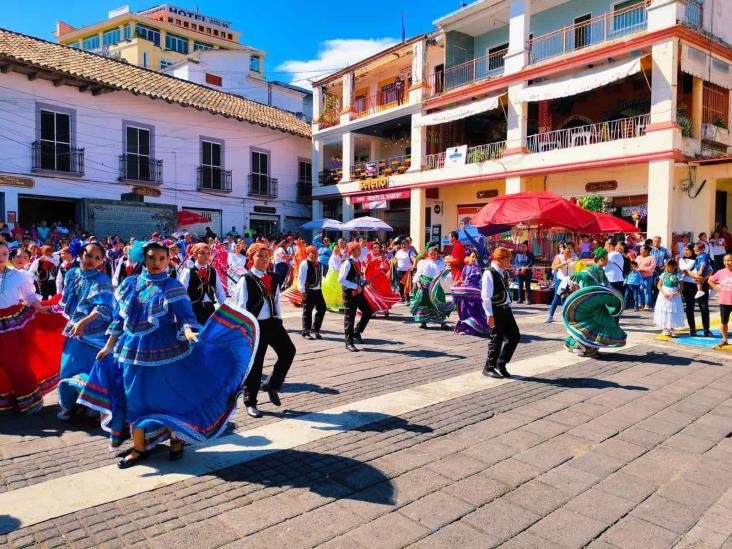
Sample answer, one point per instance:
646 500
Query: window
185 24
211 164
128 31
76 45
201 28
137 160
148 33
176 43
214 79
55 141
144 60
304 178
582 31
201 46
216 33
260 172
628 15
110 37
231 37
496 62
254 63
170 19
165 64
208 30
91 42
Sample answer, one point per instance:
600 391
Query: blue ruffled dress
84 292
155 379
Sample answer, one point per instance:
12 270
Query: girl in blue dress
161 374
87 303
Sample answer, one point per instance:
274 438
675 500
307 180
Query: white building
87 138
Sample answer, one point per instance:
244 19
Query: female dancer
468 300
428 304
378 290
68 262
44 269
87 303
30 343
157 375
332 290
590 313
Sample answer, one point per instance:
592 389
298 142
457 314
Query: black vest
500 289
45 275
123 270
257 293
314 275
353 274
197 288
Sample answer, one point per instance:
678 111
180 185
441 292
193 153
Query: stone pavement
404 445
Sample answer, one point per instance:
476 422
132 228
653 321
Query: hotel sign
376 184
599 186
195 15
16 181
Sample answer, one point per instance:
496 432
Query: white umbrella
330 224
366 224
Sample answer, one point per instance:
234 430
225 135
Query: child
702 268
633 283
722 283
584 247
669 313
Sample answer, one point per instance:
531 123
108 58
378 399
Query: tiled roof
110 73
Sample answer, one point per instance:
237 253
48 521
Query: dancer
505 334
428 303
30 342
310 281
68 262
130 265
257 292
159 374
457 255
669 312
405 259
378 289
202 283
332 290
353 298
472 319
87 304
590 313
44 270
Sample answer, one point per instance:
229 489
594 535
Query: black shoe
423 325
693 334
175 455
316 335
253 412
491 372
444 326
307 335
351 347
274 398
357 338
504 372
707 333
127 461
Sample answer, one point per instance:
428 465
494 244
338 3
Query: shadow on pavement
582 383
653 357
308 388
422 353
8 523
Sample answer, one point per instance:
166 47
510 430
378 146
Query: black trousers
313 299
504 338
352 303
691 303
271 334
524 285
282 270
400 276
203 311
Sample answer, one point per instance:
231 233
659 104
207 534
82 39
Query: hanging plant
592 202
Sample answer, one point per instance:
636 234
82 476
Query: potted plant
716 132
687 128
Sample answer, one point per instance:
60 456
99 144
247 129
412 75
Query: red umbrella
185 217
542 209
606 223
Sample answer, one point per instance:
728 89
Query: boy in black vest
202 282
258 292
353 298
505 335
309 281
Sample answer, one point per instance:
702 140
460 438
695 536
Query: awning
457 113
697 63
581 82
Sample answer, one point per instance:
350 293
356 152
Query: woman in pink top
721 281
647 268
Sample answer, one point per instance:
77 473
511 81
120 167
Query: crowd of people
114 315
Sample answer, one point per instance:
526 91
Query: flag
404 32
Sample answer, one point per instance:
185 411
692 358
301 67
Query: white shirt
16 287
241 296
404 260
279 256
118 271
185 279
486 289
343 273
614 267
237 264
564 272
303 274
33 269
686 264
335 262
429 268
718 247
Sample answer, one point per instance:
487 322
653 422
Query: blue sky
301 38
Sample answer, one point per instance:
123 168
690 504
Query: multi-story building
121 149
628 100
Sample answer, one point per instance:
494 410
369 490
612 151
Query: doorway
34 209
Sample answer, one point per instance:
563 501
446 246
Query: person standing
718 249
257 292
505 334
661 255
721 281
309 283
647 268
669 312
324 253
281 264
562 267
458 257
524 261
202 283
405 263
353 297
687 273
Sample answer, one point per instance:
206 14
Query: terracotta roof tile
119 75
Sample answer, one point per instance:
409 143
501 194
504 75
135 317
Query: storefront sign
12 217
378 205
455 156
600 186
265 209
396 195
491 193
376 184
15 181
146 191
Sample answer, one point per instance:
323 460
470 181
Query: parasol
606 223
185 217
326 223
366 224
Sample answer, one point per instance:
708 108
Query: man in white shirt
202 283
405 263
505 334
614 268
352 282
309 282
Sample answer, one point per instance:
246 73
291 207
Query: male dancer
505 335
309 282
257 292
202 282
353 298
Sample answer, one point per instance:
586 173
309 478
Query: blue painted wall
458 48
561 16
489 40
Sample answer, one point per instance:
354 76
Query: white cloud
333 56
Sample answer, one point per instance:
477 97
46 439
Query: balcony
51 156
304 190
140 169
390 166
384 100
597 30
328 119
263 186
475 70
480 153
614 130
330 177
212 178
694 13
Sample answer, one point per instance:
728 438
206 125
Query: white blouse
429 268
16 287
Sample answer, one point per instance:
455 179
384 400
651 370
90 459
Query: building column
664 88
418 203
419 71
317 106
347 213
374 149
697 108
348 82
348 151
661 180
316 163
317 206
517 124
515 185
517 56
418 144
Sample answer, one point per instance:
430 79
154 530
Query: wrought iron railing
134 167
613 130
330 177
387 166
57 157
212 178
479 153
694 12
262 185
384 100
